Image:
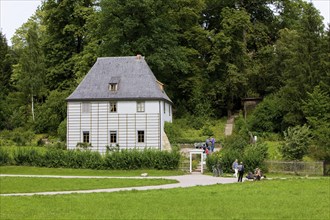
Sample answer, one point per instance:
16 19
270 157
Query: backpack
240 168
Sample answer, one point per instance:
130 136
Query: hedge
86 159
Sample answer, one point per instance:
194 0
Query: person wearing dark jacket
240 172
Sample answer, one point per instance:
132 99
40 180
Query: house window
113 137
140 106
140 136
113 86
85 107
86 136
169 110
113 106
164 107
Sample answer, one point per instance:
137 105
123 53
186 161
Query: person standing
212 144
240 172
235 167
208 143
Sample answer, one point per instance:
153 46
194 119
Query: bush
55 158
61 130
4 157
27 157
267 116
146 159
296 143
254 156
173 132
236 142
86 159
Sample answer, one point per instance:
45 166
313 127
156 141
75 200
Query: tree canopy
209 54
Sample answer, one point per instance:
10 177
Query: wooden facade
99 122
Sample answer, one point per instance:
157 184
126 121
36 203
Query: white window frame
113 107
140 135
116 137
86 135
113 87
140 106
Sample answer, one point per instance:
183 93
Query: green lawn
273 199
84 172
28 184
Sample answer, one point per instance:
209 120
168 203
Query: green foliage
173 132
317 112
4 156
297 140
19 136
86 159
52 113
254 156
209 55
112 148
267 116
136 159
236 147
23 156
236 142
83 145
182 130
61 130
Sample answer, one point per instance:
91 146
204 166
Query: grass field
291 198
276 199
28 184
84 172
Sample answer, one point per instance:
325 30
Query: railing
296 167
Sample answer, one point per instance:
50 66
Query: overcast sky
13 13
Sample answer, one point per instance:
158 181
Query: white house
119 102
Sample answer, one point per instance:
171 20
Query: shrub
296 142
254 156
86 159
27 157
173 132
4 157
83 159
237 142
146 159
55 158
61 130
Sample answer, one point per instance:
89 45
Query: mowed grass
26 170
270 199
29 184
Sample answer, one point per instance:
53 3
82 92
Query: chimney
138 56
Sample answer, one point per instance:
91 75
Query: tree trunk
32 107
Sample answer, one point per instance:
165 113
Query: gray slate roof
133 75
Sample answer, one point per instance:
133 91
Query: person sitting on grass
250 176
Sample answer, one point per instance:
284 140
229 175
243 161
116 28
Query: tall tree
29 72
65 23
159 30
6 61
229 59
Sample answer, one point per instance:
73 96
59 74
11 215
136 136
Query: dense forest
209 54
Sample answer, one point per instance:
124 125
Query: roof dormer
113 83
